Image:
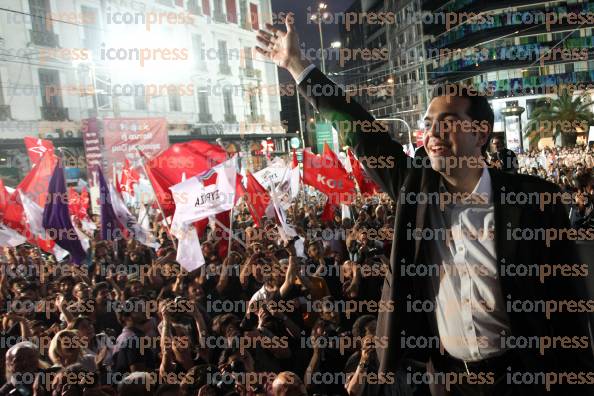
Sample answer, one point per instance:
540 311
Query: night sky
308 32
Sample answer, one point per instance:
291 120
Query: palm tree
551 118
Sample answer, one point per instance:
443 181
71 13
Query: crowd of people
264 315
271 316
570 168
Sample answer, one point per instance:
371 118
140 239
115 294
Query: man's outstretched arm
359 129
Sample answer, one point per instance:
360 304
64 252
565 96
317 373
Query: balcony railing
258 119
205 118
44 39
54 113
5 113
230 118
219 17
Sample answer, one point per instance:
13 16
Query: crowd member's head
22 362
81 291
497 144
102 293
133 314
288 383
65 348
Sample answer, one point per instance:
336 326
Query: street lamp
319 17
336 44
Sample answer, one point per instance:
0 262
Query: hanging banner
122 137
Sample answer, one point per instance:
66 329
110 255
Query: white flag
189 251
125 218
34 216
9 237
200 196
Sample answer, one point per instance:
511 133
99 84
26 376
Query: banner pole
157 199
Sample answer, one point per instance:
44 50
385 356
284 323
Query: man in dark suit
471 272
501 157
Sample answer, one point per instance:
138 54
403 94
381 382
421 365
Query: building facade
189 61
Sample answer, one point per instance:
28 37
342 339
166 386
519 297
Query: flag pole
157 199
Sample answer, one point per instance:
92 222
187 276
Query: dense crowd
270 317
572 169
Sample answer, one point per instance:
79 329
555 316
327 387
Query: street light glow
336 44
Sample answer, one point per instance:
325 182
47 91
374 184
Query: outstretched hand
281 47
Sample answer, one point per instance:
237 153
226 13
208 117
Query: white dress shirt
469 305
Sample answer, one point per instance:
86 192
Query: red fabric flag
36 183
4 196
14 217
36 148
85 201
258 199
73 202
329 211
366 185
189 159
327 174
129 178
295 162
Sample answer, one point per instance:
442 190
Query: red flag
73 202
295 163
36 148
36 183
4 196
85 201
327 174
366 185
258 199
129 178
189 159
329 211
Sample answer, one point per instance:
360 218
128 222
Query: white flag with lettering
206 194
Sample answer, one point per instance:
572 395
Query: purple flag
56 217
109 222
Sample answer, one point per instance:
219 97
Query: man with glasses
462 242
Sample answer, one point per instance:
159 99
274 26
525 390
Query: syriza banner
122 137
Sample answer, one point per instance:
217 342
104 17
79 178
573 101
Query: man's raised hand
282 47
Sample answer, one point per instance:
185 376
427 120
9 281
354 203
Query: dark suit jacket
414 176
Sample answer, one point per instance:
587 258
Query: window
174 100
253 94
206 7
231 11
228 105
249 62
223 58
254 16
219 14
49 81
243 11
198 49
203 110
40 9
91 28
140 102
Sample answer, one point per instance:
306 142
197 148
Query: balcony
54 113
220 17
5 113
250 72
224 68
258 119
205 118
230 119
44 38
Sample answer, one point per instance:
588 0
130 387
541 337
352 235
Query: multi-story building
190 61
517 52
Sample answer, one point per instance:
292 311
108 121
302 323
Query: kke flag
327 174
56 217
366 185
36 148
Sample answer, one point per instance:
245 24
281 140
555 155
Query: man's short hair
479 108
